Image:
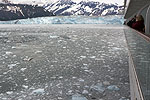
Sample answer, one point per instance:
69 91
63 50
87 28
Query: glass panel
143 12
147 23
140 51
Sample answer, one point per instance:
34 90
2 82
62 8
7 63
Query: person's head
134 16
139 18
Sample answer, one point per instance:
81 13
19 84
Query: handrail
136 78
144 36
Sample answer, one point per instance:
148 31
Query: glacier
112 19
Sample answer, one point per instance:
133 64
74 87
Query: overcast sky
120 2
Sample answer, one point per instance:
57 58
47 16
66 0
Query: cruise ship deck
68 62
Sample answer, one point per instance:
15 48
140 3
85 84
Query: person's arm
135 25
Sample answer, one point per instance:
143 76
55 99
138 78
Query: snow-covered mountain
89 8
21 11
11 9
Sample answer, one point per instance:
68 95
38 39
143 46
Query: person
139 24
133 20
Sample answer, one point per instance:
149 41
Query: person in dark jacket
139 24
133 20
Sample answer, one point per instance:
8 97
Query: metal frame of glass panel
146 17
147 24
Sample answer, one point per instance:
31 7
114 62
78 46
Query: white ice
38 91
78 97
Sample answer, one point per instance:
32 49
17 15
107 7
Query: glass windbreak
140 52
143 12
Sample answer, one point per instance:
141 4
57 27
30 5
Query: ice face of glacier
116 19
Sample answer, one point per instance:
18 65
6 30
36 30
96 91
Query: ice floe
123 98
38 91
113 88
78 97
36 52
60 98
23 69
70 92
54 36
98 88
81 80
8 53
12 65
82 56
85 92
106 83
25 86
9 92
92 57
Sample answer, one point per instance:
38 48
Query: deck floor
63 62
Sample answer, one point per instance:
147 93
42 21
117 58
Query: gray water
63 62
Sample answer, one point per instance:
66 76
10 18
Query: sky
120 2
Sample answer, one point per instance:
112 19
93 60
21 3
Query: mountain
11 11
21 11
89 8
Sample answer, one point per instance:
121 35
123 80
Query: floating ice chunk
53 37
38 52
59 41
25 86
14 56
123 98
4 98
60 98
81 80
87 70
86 86
85 64
8 53
106 83
9 92
27 58
13 47
85 92
69 92
74 77
53 77
38 91
113 88
5 73
23 69
60 77
93 57
20 99
87 48
25 79
98 87
116 48
78 97
83 56
12 65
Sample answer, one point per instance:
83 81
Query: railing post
147 24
